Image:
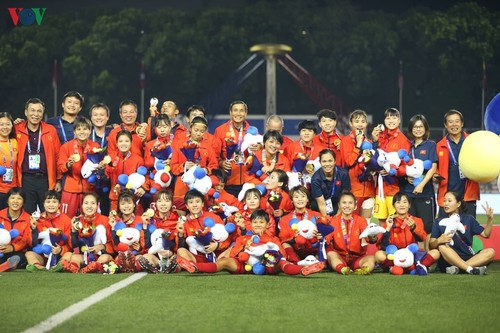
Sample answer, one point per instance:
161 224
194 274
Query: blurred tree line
354 52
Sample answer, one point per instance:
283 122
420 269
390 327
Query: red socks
291 255
339 267
207 267
427 260
289 268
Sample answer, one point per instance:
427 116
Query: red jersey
277 199
345 237
298 150
59 221
123 165
401 235
97 220
245 241
137 144
286 232
280 162
351 154
9 151
149 160
245 214
22 224
194 223
74 182
331 141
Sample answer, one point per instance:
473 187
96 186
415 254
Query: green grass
245 303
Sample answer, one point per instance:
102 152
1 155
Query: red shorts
70 203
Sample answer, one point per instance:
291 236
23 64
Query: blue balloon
216 195
105 189
492 115
293 221
14 233
366 145
3 170
255 239
120 225
199 173
153 190
38 249
151 228
413 247
390 249
152 175
92 179
46 249
123 179
208 222
142 170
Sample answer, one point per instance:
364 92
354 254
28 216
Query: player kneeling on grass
91 235
54 228
242 254
402 229
346 253
456 246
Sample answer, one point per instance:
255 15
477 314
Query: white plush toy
390 161
371 230
452 225
415 168
257 252
196 178
251 137
309 260
7 236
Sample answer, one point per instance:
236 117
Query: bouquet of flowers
231 147
275 199
56 237
161 150
90 171
189 149
90 236
299 162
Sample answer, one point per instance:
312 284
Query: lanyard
240 135
63 131
39 142
102 139
346 233
11 155
451 153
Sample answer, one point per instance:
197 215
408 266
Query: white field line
81 306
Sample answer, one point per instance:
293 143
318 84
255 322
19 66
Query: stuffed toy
127 236
161 240
259 256
50 237
135 180
406 260
251 137
413 167
96 176
254 167
309 260
307 230
223 210
261 187
110 268
212 232
373 229
7 236
390 161
196 178
93 235
452 225
161 173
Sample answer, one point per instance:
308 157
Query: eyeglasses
418 126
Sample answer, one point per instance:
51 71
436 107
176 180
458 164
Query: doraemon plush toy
452 225
406 260
7 236
372 230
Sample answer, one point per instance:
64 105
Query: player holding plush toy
72 155
126 214
252 198
193 221
277 199
346 253
389 139
294 251
403 229
164 218
51 218
460 256
219 178
267 159
124 161
364 191
161 142
88 220
235 263
203 156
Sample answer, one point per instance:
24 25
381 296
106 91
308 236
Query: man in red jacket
38 146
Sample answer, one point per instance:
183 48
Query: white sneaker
452 270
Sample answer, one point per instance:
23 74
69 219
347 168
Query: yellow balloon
248 267
479 157
129 186
119 233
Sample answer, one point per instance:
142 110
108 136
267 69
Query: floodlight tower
270 52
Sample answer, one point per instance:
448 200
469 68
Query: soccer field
246 303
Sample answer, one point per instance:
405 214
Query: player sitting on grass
346 254
238 256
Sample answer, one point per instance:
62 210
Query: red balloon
122 247
165 177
